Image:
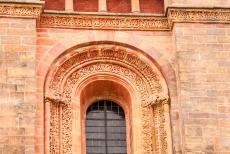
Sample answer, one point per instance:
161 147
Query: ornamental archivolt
120 62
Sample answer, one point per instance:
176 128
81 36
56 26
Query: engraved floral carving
104 22
155 99
119 62
55 125
140 23
198 15
125 22
25 10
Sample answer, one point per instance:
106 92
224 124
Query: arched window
105 128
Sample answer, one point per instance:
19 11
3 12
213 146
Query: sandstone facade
185 45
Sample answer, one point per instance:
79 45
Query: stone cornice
106 21
20 9
136 22
198 15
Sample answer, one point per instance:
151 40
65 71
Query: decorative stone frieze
197 15
20 9
104 22
108 21
135 22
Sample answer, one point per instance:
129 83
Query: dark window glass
105 129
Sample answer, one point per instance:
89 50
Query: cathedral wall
53 42
17 85
193 58
204 86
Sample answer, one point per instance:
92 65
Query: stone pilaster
69 5
135 6
102 5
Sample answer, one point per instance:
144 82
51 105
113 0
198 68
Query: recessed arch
111 59
105 87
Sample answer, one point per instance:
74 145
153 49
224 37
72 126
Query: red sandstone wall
115 6
204 86
152 6
119 6
55 5
86 5
17 85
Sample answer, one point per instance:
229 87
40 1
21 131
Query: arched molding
106 77
58 54
138 70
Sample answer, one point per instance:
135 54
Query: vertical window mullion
106 144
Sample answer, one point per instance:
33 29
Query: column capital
54 99
157 99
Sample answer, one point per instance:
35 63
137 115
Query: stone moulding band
137 22
134 22
20 9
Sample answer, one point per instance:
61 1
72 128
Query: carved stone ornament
116 61
156 99
135 22
55 98
108 21
20 9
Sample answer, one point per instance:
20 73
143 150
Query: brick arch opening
117 63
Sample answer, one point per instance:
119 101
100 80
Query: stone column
69 5
166 110
53 125
47 125
161 108
102 6
135 6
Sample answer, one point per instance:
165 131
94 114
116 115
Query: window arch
124 74
105 128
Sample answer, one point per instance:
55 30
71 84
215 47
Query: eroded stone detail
104 22
160 132
156 99
127 22
55 125
140 23
21 10
113 61
198 15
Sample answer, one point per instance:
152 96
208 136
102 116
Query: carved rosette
106 59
